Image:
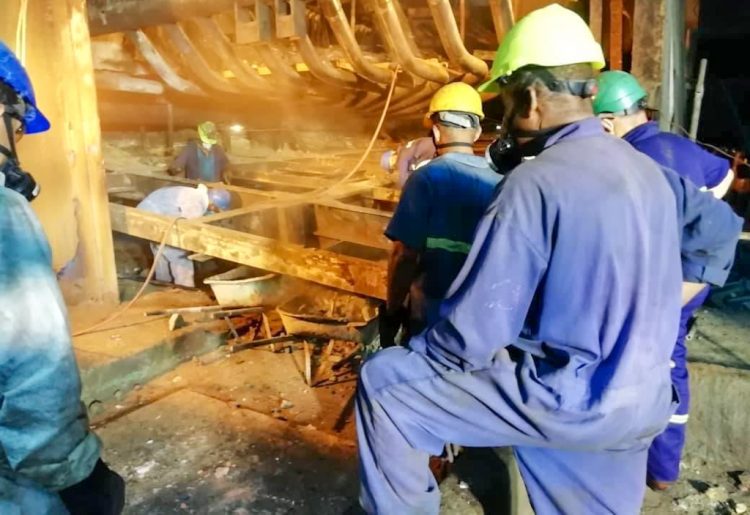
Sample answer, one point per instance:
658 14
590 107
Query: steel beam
107 16
320 266
354 224
161 65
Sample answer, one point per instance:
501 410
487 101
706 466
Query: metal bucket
301 316
245 286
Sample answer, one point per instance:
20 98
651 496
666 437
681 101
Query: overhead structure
286 51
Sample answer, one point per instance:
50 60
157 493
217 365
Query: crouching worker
620 104
551 338
439 209
184 202
49 459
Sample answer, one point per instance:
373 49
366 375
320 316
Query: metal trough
245 286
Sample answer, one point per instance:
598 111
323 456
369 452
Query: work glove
389 325
102 493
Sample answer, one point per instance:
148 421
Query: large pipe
161 65
107 16
445 22
388 19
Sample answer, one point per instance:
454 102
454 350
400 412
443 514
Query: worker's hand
389 324
102 493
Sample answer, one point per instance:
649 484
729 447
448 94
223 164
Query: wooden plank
320 266
354 224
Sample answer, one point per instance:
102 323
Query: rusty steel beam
320 266
107 16
323 70
615 34
452 41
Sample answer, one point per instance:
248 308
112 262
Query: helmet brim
35 122
491 86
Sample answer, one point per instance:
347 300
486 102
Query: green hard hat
619 93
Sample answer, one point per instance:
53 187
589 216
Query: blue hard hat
14 75
220 198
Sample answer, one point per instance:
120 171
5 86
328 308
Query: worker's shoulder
21 235
455 164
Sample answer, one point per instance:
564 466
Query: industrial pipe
161 65
107 16
442 13
388 19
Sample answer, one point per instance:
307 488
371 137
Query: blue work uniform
551 339
45 442
705 170
175 201
440 207
200 164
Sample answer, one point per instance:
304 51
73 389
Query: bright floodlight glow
236 128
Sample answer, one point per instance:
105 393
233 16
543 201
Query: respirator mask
13 176
505 153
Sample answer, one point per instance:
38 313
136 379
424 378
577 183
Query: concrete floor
243 433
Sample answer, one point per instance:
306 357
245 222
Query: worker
551 337
437 214
620 103
184 202
205 160
50 461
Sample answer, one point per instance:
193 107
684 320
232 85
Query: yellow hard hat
457 96
551 36
207 133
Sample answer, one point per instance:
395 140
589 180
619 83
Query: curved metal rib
387 18
445 21
334 13
502 17
322 69
213 38
163 68
194 61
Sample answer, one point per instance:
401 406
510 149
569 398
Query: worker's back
182 201
679 154
439 210
585 237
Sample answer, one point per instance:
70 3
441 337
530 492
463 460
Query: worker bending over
551 338
183 202
49 459
620 104
439 209
203 161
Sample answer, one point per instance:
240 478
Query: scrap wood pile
331 329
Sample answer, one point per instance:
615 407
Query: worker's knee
375 371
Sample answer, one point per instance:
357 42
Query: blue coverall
176 201
440 207
551 338
705 170
45 442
